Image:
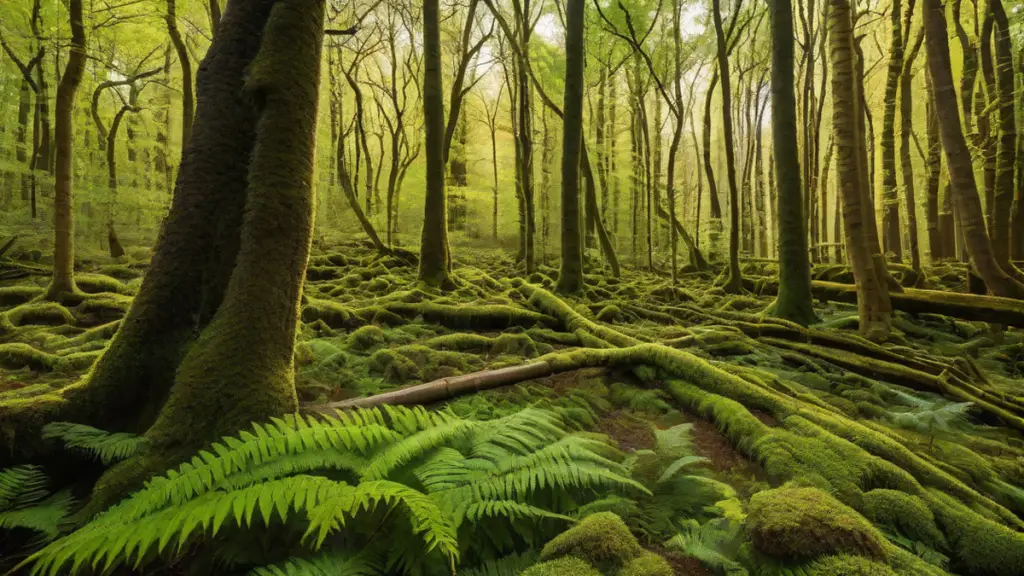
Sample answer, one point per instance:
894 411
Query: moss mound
846 565
365 338
979 545
568 566
807 523
647 564
906 514
603 539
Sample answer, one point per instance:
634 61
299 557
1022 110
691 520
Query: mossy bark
570 278
63 282
794 299
734 281
958 158
891 235
906 163
241 368
435 260
1007 143
187 99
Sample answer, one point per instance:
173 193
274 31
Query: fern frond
44 517
417 445
508 509
107 447
22 486
327 563
510 565
679 464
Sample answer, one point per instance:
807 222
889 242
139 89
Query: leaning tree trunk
63 282
187 102
794 299
570 278
435 261
241 367
192 261
1007 151
734 282
891 234
872 292
958 158
116 250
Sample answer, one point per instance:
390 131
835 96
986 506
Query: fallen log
442 389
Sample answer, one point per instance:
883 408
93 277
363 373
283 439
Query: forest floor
918 438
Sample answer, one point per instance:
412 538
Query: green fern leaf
108 447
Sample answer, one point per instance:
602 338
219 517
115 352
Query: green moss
377 285
102 309
978 545
331 313
907 514
807 523
602 539
96 283
515 344
611 314
568 566
45 313
17 355
395 368
14 295
365 338
647 564
385 317
120 272
847 565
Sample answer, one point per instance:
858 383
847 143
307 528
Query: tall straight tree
187 101
794 299
734 281
1007 145
958 158
63 282
890 200
570 278
435 260
874 307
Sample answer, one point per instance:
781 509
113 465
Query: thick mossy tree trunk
734 281
192 261
241 367
63 282
891 236
958 158
1007 145
570 278
794 299
435 260
858 219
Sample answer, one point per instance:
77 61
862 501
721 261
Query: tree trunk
435 261
63 282
958 158
872 292
1007 146
570 278
794 299
21 136
187 103
891 234
734 282
116 250
906 130
1017 220
934 164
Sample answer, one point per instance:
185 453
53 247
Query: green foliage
601 539
847 565
806 523
437 483
511 565
934 421
715 543
647 564
978 545
26 502
105 446
906 514
567 566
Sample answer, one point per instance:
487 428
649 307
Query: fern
713 543
511 565
22 486
331 563
431 480
26 502
934 421
108 447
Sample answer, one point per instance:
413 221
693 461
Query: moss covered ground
767 448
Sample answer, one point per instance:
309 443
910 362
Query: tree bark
570 278
794 299
1007 145
906 130
435 260
872 292
934 164
891 234
734 282
958 158
63 282
187 102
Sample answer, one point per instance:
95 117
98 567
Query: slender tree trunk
610 159
906 165
187 103
214 9
891 234
969 68
934 163
958 158
1007 147
63 282
734 282
570 278
1017 220
988 140
872 292
493 129
116 250
21 136
715 205
435 260
759 189
794 299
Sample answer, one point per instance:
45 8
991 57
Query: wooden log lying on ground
442 389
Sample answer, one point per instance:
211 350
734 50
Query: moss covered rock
365 338
847 565
807 523
395 368
979 545
602 539
567 566
647 564
905 513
